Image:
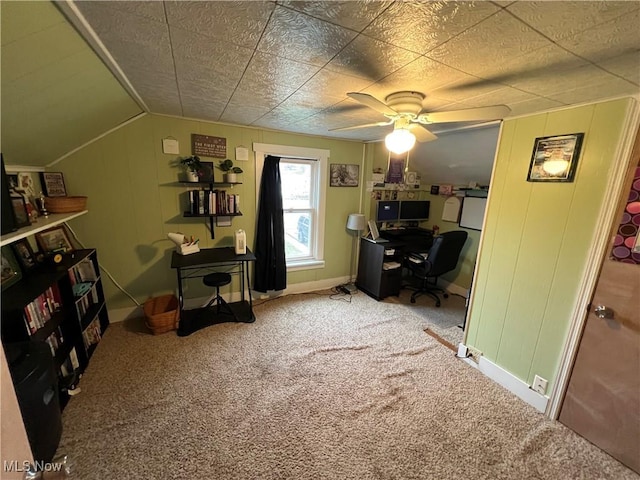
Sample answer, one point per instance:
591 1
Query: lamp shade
356 221
400 141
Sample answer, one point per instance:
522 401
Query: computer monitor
387 210
414 210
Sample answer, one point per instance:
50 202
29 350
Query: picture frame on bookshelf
25 255
53 184
20 211
54 240
10 270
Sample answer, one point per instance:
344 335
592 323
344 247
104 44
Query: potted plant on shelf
193 168
229 170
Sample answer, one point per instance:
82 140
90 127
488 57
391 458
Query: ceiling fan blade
366 125
421 133
372 102
467 115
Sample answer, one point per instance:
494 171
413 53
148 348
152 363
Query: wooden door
602 401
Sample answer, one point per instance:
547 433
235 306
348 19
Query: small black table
197 265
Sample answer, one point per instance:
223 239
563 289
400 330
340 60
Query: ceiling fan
404 111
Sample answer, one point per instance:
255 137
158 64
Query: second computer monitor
388 211
414 210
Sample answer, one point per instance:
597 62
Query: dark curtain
271 267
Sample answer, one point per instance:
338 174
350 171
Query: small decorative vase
230 177
192 176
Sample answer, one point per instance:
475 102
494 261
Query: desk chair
217 280
425 268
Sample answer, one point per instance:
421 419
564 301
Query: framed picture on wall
342 175
555 158
53 184
396 166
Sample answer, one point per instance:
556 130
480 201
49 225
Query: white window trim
320 155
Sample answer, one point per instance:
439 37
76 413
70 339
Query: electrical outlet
539 385
475 354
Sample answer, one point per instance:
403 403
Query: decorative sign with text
207 146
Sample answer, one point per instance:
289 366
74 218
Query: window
303 174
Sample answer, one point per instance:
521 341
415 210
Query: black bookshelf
42 307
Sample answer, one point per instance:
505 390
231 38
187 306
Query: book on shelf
86 271
55 340
201 202
73 356
92 334
42 308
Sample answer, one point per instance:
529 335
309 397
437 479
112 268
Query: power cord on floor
342 294
257 303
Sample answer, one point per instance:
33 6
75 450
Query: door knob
603 312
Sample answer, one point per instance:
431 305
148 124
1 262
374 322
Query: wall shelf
206 215
42 224
210 187
201 184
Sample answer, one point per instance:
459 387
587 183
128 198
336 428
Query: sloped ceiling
56 93
287 65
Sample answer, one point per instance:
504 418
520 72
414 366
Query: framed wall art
54 240
53 184
10 272
342 175
396 166
555 158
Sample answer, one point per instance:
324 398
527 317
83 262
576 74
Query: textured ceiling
288 65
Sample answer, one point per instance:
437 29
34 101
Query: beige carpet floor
315 389
444 321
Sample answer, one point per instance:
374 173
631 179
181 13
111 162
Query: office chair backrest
445 251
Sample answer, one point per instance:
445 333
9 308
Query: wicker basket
162 314
65 204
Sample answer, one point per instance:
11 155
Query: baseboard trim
121 314
455 289
509 381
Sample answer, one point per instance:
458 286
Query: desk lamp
357 222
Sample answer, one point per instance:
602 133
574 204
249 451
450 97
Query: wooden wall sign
207 146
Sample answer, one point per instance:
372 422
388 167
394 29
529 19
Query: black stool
218 279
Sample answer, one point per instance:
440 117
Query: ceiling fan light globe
400 141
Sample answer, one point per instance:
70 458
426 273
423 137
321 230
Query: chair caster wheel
445 295
413 300
437 304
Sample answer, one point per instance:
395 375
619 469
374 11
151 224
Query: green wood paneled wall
537 239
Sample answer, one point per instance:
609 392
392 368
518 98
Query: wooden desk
197 265
414 239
